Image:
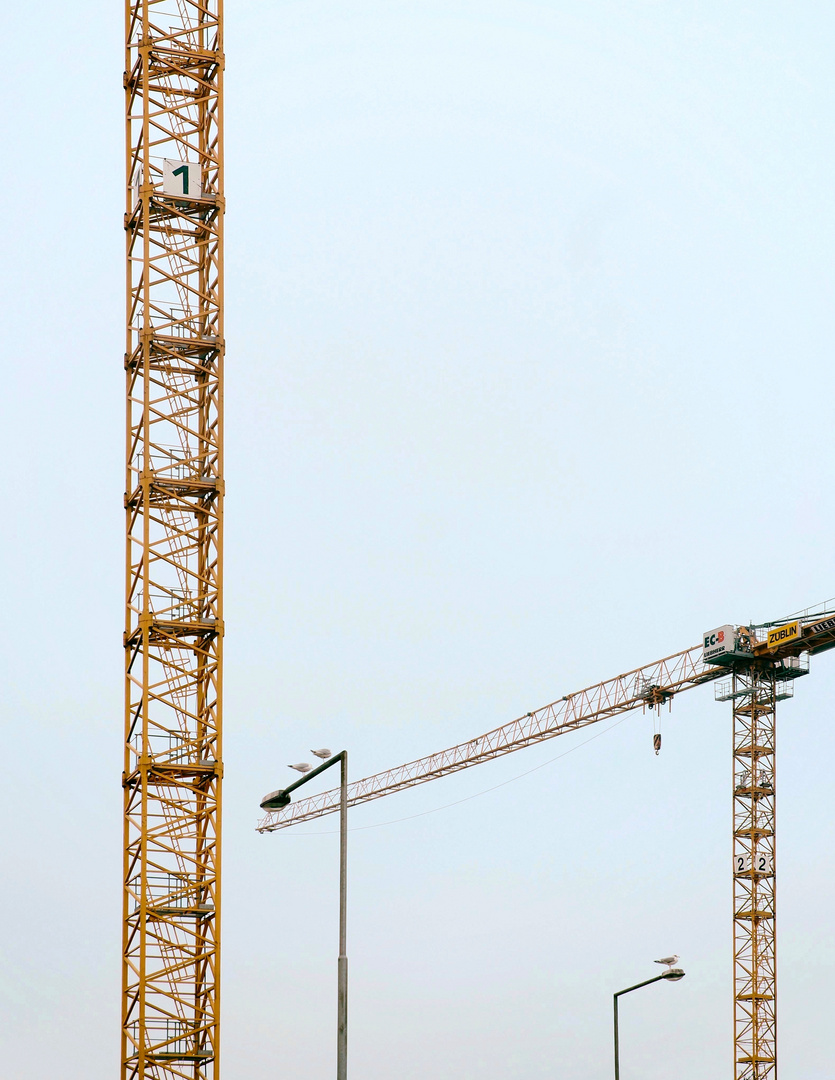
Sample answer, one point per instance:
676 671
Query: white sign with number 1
181 178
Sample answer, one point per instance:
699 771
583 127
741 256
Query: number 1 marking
182 171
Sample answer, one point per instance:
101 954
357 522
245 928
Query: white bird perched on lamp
668 961
302 767
323 754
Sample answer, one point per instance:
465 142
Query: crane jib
647 686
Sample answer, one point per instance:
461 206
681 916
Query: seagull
323 754
302 767
667 960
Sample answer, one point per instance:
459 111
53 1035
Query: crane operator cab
726 644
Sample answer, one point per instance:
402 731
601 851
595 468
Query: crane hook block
656 742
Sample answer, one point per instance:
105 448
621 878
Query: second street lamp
672 974
276 800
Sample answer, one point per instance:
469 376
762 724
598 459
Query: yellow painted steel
754 695
173 502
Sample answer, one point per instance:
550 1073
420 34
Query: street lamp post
276 800
671 975
342 962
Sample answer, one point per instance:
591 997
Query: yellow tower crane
173 502
753 667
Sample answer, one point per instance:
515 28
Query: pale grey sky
530 326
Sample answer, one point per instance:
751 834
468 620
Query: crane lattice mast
754 694
757 670
173 501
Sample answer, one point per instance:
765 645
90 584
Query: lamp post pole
342 963
277 800
673 975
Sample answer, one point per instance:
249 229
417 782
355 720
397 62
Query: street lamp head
276 800
673 975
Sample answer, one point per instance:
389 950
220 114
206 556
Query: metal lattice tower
754 693
174 486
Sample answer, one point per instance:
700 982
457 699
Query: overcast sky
529 382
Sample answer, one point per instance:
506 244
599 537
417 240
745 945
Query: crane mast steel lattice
173 501
754 693
757 666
